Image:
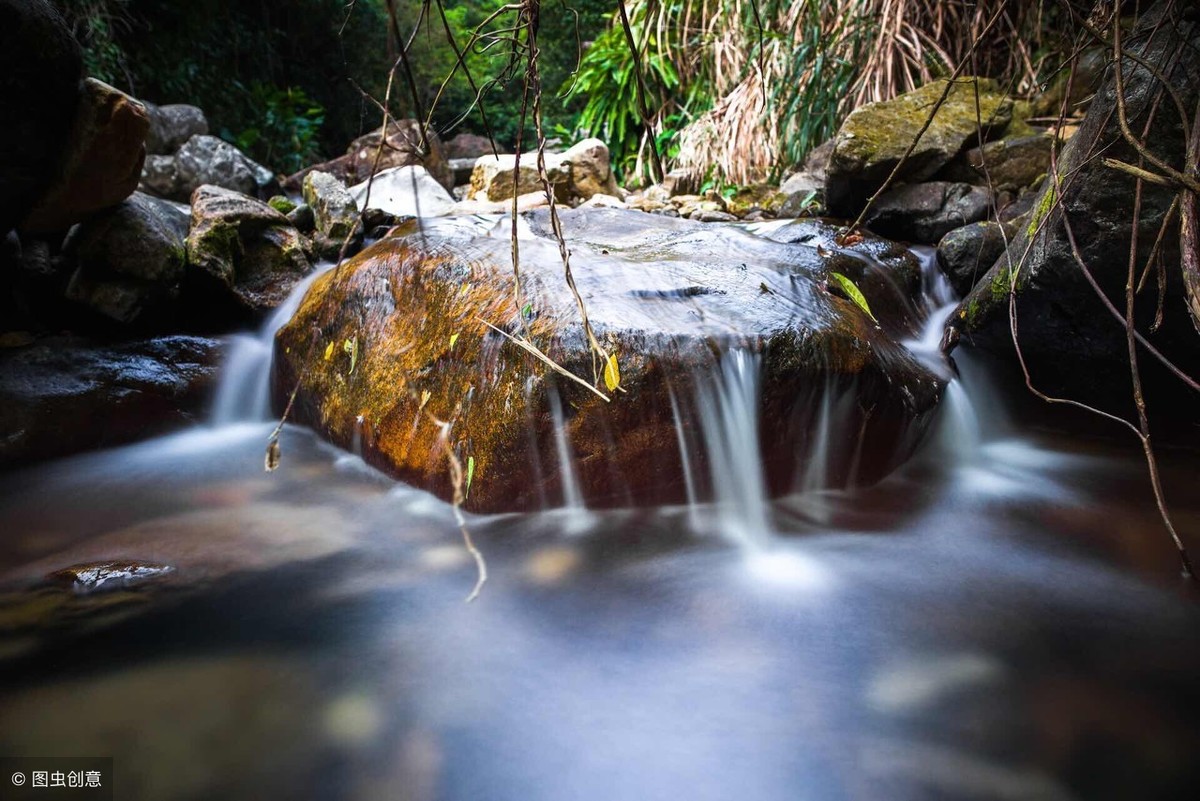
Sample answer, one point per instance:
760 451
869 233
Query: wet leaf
527 311
351 346
453 339
425 396
612 373
329 351
272 460
852 292
470 474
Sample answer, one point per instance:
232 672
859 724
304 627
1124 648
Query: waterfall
244 389
729 420
572 497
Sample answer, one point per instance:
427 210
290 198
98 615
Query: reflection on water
1009 628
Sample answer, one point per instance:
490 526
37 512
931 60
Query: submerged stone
408 350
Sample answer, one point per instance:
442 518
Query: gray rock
171 126
144 238
462 167
334 209
924 213
492 178
160 177
130 259
207 160
966 254
1010 164
61 396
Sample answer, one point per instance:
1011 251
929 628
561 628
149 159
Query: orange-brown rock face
103 162
398 339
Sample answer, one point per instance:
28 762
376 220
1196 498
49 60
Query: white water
244 391
729 419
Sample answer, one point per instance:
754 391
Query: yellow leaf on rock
612 373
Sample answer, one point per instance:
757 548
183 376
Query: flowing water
999 619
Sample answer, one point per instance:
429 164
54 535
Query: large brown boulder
400 336
403 148
40 69
102 163
1071 343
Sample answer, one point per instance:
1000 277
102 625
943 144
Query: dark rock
875 137
467 146
966 254
1010 164
1071 343
101 164
41 66
131 260
302 218
244 251
172 126
62 396
401 331
462 170
924 213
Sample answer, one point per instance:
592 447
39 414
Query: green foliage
609 83
285 134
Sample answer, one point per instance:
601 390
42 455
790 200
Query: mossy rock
874 138
400 337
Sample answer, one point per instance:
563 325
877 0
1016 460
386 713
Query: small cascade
958 432
729 419
572 496
244 390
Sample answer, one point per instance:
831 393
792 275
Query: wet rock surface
401 332
65 395
924 213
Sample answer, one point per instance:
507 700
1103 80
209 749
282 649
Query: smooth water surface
1011 627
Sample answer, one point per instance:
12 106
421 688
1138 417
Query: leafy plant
285 135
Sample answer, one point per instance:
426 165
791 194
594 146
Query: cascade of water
958 434
572 497
729 419
244 389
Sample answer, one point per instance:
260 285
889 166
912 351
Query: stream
1001 618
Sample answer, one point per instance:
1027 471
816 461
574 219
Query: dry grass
785 73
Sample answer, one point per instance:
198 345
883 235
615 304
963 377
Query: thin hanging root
456 478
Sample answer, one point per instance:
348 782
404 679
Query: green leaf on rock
852 292
470 474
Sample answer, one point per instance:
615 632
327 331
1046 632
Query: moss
1044 204
281 204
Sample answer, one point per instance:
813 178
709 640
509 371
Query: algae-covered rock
401 337
874 138
243 249
1071 344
